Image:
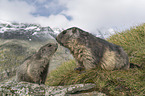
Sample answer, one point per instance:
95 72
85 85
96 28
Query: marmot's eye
49 45
43 50
64 32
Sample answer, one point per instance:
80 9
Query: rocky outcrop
24 88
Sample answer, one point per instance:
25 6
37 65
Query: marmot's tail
134 66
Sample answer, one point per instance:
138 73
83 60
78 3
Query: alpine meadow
122 82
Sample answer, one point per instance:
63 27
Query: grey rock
21 89
70 89
24 88
94 93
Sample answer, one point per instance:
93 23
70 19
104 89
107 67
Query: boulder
12 87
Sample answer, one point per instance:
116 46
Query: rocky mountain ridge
26 31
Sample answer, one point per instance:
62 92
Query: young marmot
35 68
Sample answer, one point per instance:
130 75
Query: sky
89 15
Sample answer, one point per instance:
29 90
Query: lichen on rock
13 87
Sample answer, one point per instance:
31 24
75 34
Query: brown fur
35 68
91 52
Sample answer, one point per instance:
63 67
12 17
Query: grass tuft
133 42
62 74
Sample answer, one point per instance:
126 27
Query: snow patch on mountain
13 30
57 30
31 28
4 22
104 32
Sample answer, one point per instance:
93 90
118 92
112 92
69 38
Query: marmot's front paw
79 70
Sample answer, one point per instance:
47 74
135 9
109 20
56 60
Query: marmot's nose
55 49
58 38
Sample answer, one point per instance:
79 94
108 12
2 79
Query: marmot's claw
79 70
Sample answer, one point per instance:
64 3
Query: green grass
133 42
114 83
63 72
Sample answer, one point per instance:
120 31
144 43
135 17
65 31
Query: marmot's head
67 35
47 50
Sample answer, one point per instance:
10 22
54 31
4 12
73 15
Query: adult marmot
90 51
35 68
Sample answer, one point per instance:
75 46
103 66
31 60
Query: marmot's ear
76 33
74 30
